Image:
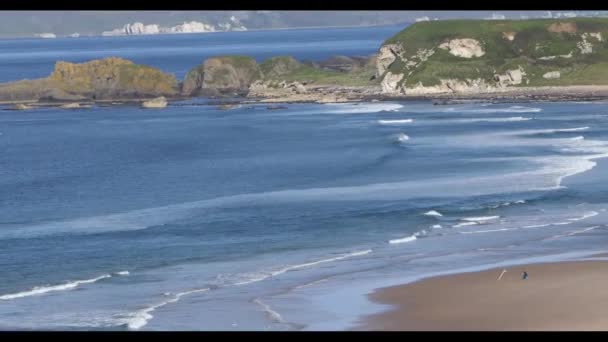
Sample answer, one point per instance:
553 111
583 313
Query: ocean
196 218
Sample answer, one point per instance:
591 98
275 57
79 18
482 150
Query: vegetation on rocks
574 48
98 79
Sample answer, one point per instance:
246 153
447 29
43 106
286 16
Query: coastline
340 94
565 295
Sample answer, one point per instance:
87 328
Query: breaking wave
39 290
395 122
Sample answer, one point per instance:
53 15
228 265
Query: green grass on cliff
534 39
302 73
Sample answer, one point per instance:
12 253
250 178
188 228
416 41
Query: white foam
310 284
432 213
436 226
480 218
273 315
511 119
403 240
259 276
403 137
573 233
557 130
123 273
537 225
140 318
345 256
488 110
520 202
488 231
463 224
585 216
395 122
349 108
45 289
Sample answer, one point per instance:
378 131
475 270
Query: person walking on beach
524 275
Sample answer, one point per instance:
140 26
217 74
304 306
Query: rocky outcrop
278 67
193 82
230 73
343 63
586 47
107 78
21 106
465 47
562 27
452 86
74 105
552 75
275 89
387 55
159 102
391 83
59 95
111 78
510 36
510 77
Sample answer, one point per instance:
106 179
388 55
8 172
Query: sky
63 23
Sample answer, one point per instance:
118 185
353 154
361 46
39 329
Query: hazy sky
28 23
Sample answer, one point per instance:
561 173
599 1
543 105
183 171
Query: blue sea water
196 218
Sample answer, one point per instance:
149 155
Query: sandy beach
556 296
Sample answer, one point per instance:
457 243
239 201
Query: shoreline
479 301
339 94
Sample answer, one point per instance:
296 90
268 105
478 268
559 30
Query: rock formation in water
159 102
109 78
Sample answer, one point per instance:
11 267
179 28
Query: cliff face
474 56
223 73
111 77
97 79
230 72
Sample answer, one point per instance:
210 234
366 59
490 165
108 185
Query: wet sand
556 296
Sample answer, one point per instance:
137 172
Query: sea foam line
62 287
573 233
585 216
273 315
511 119
480 219
488 231
512 109
395 122
140 318
295 267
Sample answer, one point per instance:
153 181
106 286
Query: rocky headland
451 60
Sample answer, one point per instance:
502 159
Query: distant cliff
475 56
137 28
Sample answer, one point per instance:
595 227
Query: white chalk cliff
187 27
